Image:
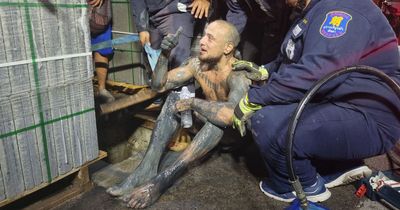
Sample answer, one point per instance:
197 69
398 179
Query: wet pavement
223 180
227 178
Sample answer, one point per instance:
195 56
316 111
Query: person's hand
170 41
95 3
243 111
253 71
144 37
200 8
183 105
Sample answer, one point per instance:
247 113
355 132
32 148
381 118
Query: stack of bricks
47 118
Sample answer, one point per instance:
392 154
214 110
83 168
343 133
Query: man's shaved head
231 35
220 39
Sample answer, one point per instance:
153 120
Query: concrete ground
224 180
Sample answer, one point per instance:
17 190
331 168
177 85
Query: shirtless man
222 89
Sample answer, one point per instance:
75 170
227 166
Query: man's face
212 44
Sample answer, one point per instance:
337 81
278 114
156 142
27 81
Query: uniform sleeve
274 65
323 52
140 15
236 15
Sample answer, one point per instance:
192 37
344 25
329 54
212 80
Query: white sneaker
347 177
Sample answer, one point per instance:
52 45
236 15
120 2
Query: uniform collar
310 5
296 15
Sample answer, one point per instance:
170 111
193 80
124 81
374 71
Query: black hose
296 115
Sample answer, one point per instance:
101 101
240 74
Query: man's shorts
105 36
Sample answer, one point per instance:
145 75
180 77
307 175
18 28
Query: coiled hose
296 115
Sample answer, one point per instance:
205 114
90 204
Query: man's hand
242 113
144 37
170 41
95 3
253 71
200 8
183 104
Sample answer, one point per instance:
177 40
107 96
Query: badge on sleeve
335 24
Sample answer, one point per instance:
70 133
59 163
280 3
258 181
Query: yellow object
242 113
180 141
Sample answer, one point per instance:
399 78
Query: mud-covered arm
216 112
163 80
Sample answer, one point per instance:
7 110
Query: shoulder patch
335 24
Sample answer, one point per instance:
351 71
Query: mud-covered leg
164 129
205 140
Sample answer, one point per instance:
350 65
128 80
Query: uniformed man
352 117
154 19
262 24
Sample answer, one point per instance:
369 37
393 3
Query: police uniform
162 17
352 117
264 24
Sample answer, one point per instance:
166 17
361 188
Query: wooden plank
123 86
142 95
147 116
80 183
148 124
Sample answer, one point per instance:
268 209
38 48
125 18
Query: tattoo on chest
213 85
205 78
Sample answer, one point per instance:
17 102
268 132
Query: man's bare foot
117 190
139 176
143 196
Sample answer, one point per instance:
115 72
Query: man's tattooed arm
159 76
163 80
221 113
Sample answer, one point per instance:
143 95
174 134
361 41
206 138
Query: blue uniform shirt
142 10
270 10
333 34
330 35
236 15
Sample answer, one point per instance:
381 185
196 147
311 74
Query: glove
170 41
242 113
253 71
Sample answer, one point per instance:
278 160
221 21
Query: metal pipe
124 32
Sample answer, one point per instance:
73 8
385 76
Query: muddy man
222 88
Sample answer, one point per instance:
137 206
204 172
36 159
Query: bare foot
143 196
116 190
139 176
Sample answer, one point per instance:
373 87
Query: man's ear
228 48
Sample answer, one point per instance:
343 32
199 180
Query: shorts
105 36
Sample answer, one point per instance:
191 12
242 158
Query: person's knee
269 127
264 122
